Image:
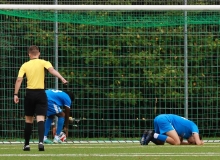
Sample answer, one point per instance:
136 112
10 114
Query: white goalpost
112 7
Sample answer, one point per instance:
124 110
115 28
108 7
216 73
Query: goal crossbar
112 7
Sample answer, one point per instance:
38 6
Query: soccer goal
125 64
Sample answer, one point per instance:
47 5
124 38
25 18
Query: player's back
183 126
58 97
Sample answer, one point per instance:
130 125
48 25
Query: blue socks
59 128
60 125
47 126
160 137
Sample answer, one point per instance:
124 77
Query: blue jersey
56 100
167 122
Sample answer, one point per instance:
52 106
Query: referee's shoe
40 147
26 148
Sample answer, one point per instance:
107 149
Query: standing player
35 101
56 100
173 129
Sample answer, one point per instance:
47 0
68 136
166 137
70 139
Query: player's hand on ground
202 142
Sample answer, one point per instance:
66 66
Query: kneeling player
172 129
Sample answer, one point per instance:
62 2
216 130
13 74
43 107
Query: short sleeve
47 64
21 71
67 101
195 128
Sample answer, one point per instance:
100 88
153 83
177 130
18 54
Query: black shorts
35 102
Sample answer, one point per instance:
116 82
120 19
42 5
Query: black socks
27 132
41 131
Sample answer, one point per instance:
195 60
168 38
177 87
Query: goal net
124 66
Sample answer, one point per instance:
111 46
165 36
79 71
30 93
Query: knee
177 143
29 119
40 118
173 141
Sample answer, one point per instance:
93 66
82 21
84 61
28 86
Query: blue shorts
162 124
53 109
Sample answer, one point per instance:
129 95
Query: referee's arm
17 87
57 74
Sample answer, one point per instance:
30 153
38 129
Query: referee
35 101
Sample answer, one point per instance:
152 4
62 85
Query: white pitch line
102 142
115 155
57 146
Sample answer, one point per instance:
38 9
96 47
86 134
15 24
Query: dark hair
33 49
71 95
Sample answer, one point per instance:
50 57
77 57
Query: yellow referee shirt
34 70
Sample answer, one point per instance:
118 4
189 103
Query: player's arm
17 87
185 143
197 139
67 114
57 74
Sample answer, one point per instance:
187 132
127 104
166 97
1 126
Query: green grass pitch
111 151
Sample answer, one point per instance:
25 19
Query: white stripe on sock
156 135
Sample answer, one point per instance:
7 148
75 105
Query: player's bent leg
48 123
154 140
173 138
60 124
143 138
59 128
157 141
149 136
47 127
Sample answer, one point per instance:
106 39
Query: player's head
191 140
33 50
71 95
